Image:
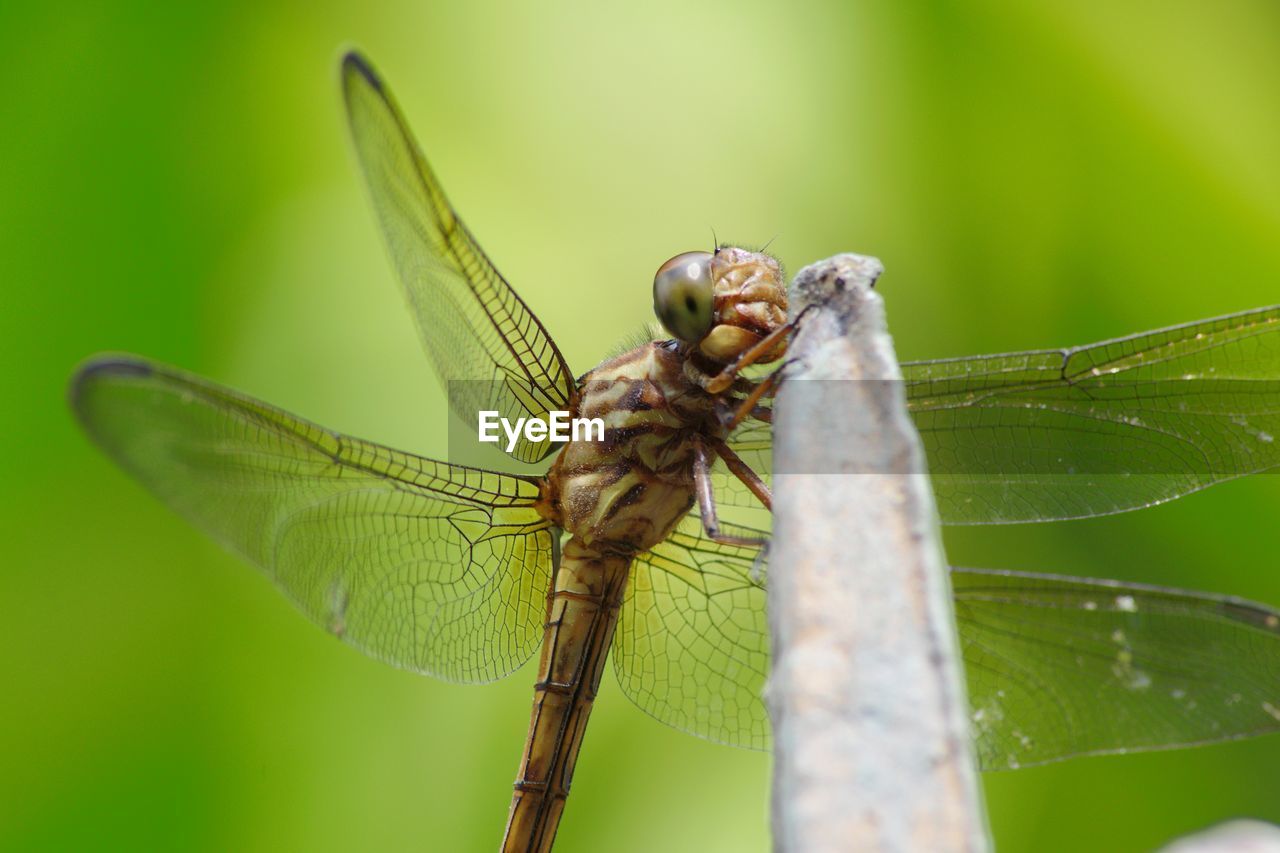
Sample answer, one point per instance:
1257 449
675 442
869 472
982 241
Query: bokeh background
175 181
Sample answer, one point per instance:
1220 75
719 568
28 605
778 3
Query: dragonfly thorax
624 494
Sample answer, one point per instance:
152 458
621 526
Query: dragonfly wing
1059 667
692 644
481 338
1114 426
1056 434
431 567
1056 666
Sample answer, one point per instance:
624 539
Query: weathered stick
870 719
1235 836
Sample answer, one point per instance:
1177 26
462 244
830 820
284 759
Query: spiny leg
750 356
749 406
707 501
729 417
743 472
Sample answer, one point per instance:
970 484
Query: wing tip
104 365
354 64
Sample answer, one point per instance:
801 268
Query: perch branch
870 719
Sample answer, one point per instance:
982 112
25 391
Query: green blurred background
175 181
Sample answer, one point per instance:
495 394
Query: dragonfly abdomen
582 611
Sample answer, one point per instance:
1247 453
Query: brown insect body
618 497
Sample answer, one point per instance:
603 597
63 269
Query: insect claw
760 565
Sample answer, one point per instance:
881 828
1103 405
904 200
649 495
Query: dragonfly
618 552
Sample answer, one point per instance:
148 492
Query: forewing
1056 434
1123 424
431 567
1059 667
692 644
484 343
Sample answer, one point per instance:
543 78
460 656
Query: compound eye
683 296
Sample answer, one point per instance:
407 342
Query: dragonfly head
722 302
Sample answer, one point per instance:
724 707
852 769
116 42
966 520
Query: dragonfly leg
707 501
744 472
750 407
726 377
728 416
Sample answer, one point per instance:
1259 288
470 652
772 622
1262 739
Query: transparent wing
1093 430
1059 667
691 646
483 341
1123 424
430 567
1056 667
